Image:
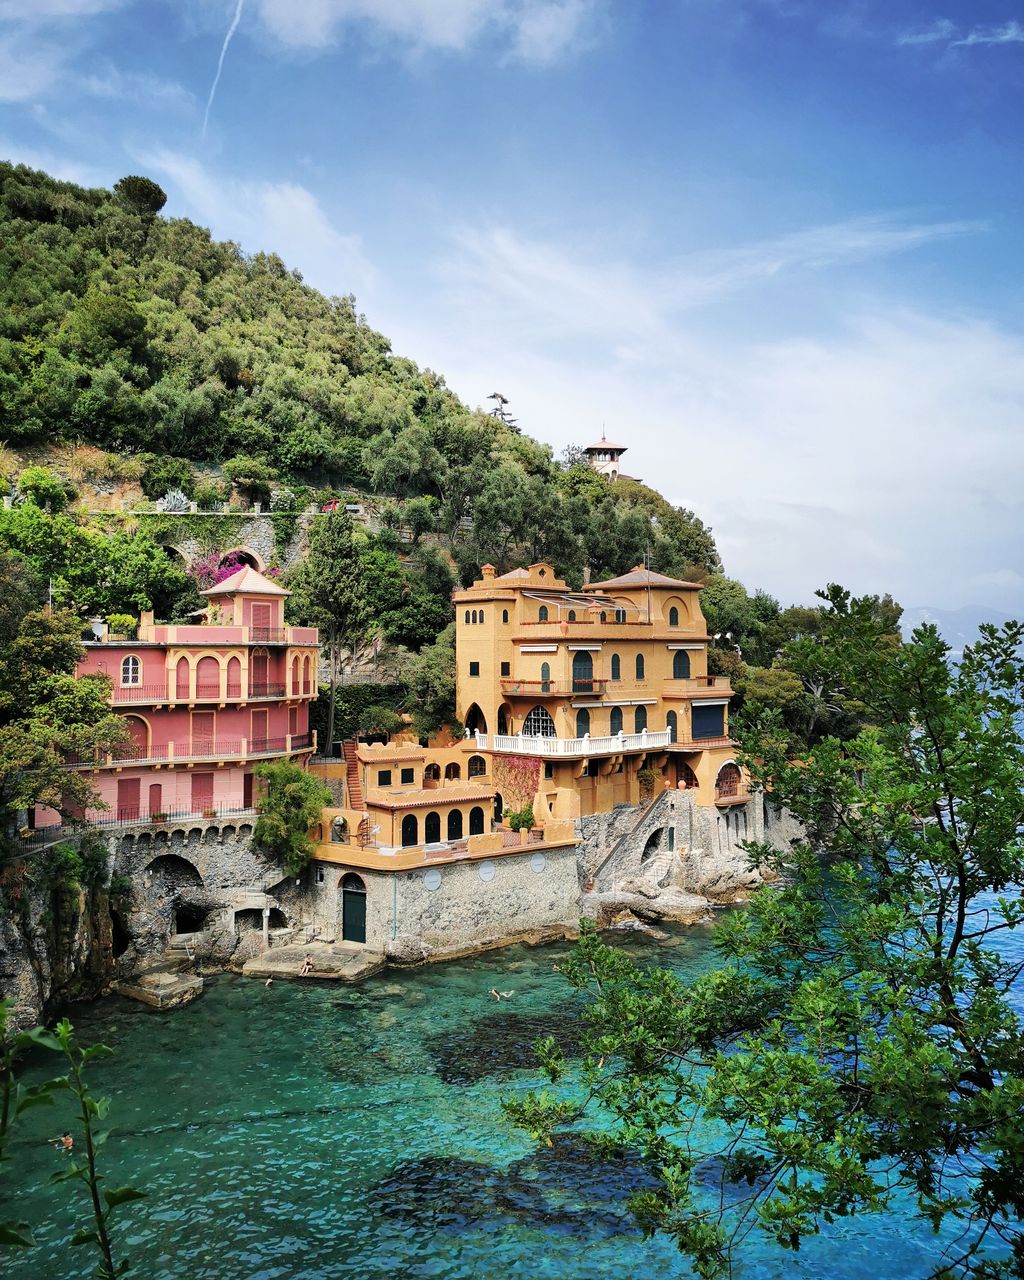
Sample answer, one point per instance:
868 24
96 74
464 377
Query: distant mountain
958 627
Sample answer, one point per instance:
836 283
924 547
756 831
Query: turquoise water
311 1131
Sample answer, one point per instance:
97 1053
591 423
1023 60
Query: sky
772 246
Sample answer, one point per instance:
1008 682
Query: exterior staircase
657 867
353 785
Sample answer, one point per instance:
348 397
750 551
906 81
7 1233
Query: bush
289 806
380 720
163 473
45 488
210 494
122 624
520 819
251 477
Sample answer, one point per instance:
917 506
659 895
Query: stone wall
256 534
459 907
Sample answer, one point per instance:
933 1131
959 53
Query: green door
353 909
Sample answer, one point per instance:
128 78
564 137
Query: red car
335 504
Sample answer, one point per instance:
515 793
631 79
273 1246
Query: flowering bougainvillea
214 567
516 779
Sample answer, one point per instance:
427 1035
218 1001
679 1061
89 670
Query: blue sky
773 246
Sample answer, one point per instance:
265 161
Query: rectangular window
408 775
549 769
319 875
474 668
383 777
506 668
708 722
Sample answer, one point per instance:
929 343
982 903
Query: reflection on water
309 1131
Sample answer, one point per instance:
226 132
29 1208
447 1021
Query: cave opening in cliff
120 938
189 918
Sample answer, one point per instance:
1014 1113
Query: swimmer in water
64 1143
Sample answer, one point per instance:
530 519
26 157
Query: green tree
45 488
430 676
289 804
46 714
858 1047
140 195
326 594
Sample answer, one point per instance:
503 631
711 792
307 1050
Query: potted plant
209 813
158 817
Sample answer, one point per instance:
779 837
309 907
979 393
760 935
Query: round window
432 878
486 871
537 863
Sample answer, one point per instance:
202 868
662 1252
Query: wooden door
128 799
260 731
156 792
203 725
202 792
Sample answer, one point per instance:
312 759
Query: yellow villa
596 686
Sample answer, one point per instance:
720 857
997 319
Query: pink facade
204 704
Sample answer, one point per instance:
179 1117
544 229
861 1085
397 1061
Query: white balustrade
527 745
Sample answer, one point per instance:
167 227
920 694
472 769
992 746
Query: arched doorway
410 830
353 909
138 731
640 720
681 665
207 678
582 672
476 821
259 672
504 720
234 678
181 680
432 828
615 720
455 824
687 777
499 808
582 722
475 721
452 772
672 725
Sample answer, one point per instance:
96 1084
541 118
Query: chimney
487 570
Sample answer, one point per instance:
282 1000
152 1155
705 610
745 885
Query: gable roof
246 580
641 577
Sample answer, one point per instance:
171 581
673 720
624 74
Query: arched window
455 824
604 616
410 830
542 613
452 772
538 724
672 725
234 678
687 776
432 828
467 615
639 666
476 821
295 675
728 781
620 615
673 617
616 667
477 766
432 773
582 722
481 617
545 677
616 720
131 672
680 665
640 720
473 617
572 615
181 679
307 667
504 615
475 720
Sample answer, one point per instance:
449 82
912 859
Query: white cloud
141 87
943 31
533 30
881 450
281 217
38 38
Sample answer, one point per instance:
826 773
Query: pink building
204 704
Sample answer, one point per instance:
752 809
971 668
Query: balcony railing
527 745
206 691
139 693
553 688
197 749
267 635
693 683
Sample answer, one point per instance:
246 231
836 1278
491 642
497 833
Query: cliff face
56 944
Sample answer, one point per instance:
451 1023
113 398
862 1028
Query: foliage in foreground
16 1098
858 1045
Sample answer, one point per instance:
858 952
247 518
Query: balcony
157 694
199 749
697 686
569 748
552 688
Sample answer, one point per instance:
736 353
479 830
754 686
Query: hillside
142 335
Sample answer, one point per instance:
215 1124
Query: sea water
309 1130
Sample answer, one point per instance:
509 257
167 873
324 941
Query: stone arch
177 553
243 556
176 872
190 917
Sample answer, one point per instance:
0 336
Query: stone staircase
656 868
353 785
